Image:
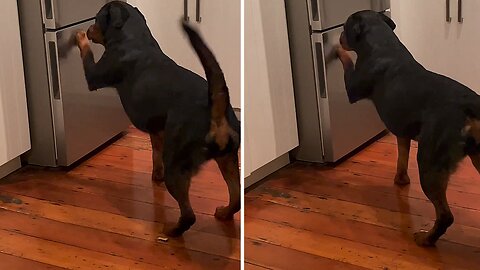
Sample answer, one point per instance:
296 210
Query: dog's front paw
422 239
223 213
82 40
401 179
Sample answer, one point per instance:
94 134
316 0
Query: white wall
14 131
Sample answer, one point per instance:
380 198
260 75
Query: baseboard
10 167
267 169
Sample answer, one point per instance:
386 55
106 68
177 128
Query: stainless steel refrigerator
329 126
67 121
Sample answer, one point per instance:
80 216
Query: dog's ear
388 20
118 16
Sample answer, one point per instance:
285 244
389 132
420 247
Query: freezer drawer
344 126
61 13
83 120
325 14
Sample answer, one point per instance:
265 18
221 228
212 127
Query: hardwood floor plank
447 253
261 253
36 183
152 252
249 266
331 247
142 229
390 201
64 255
404 222
17 263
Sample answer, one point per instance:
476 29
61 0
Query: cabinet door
462 57
423 28
220 26
14 132
163 19
270 119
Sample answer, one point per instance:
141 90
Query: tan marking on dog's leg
231 174
157 156
403 147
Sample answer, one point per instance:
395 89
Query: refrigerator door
344 126
61 13
325 14
83 120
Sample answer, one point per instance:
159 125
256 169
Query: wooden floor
352 217
105 214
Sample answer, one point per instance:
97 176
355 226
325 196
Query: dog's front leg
356 89
401 178
157 140
99 74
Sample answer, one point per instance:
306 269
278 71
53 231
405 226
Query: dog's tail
219 99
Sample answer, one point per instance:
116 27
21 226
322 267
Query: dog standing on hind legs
415 104
189 119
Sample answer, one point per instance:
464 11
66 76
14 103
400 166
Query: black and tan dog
190 120
415 104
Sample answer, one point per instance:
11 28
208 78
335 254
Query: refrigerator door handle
198 17
460 11
48 14
319 66
185 11
448 16
314 14
54 73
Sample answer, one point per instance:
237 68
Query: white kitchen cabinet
270 119
14 131
219 25
445 47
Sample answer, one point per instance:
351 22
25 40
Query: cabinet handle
185 11
198 18
460 11
449 18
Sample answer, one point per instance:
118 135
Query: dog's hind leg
178 184
229 167
436 161
157 140
434 184
403 147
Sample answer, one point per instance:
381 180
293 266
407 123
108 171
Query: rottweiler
189 119
415 104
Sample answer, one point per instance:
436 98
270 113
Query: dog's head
360 24
111 18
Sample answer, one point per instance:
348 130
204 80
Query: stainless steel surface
83 120
66 120
447 12
185 11
460 11
344 126
306 100
329 127
60 13
36 81
325 14
198 18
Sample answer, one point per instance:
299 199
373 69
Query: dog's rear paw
422 239
223 213
402 179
